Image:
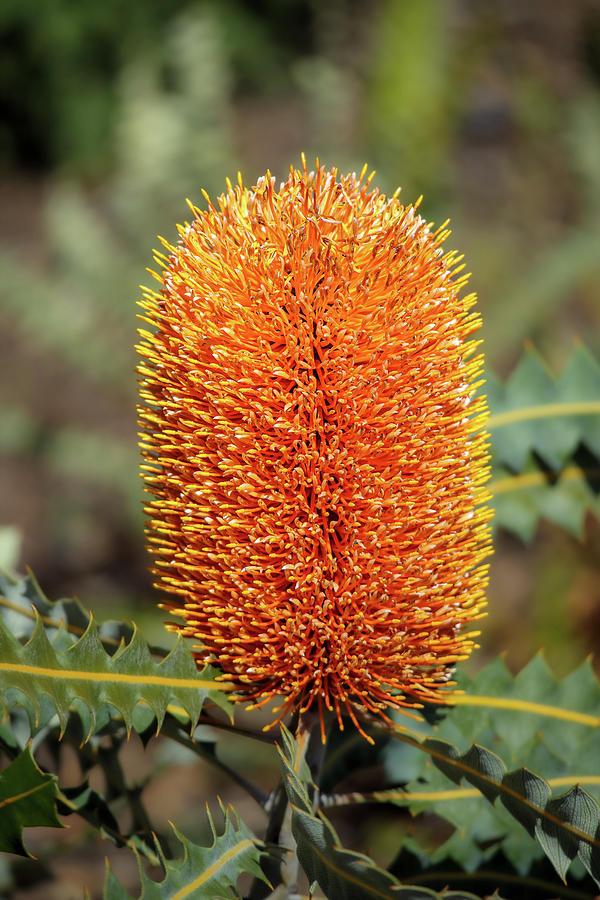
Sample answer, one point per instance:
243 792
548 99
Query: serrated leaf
561 821
85 678
518 423
204 873
340 873
531 720
534 412
545 443
27 798
22 602
580 381
521 500
512 714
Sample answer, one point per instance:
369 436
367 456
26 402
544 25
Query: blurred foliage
413 97
59 62
61 65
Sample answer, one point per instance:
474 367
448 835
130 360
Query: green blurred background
113 113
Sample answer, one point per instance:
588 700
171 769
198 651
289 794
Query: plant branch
235 729
172 730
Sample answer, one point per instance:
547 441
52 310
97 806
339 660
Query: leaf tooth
84 677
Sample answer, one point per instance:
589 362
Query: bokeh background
113 113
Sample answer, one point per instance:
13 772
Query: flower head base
315 453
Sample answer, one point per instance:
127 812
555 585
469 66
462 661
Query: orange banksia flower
315 453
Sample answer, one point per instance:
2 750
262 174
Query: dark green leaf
340 873
577 807
27 797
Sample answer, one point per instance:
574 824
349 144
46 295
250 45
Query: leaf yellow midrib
16 797
457 699
541 709
535 479
500 787
208 873
466 793
543 411
115 677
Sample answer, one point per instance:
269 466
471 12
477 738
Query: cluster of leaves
513 740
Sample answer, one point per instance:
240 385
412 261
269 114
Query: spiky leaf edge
205 873
85 678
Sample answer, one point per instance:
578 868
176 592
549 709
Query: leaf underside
27 798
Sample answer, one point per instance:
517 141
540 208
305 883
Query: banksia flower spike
315 453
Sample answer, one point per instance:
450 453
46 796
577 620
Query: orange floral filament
315 453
